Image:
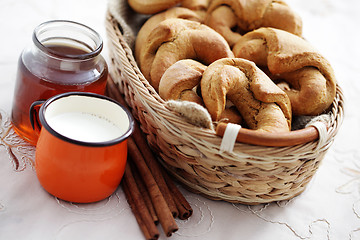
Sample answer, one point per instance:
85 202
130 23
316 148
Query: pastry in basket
152 6
176 39
152 22
232 18
200 6
309 78
181 81
262 104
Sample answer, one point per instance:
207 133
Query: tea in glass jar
64 57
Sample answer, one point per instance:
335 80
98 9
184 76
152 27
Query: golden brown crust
231 115
152 22
245 16
176 39
152 6
197 5
223 20
312 84
263 105
180 79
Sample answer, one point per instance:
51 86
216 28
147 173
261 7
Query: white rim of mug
111 142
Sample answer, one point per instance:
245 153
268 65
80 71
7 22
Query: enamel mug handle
34 115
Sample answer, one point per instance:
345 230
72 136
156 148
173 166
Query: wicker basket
251 174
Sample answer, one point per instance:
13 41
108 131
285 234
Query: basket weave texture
250 174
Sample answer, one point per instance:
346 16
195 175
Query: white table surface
328 209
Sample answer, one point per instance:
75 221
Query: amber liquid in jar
45 81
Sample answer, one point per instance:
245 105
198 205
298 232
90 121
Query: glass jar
64 57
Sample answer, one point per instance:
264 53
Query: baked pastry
200 5
243 16
263 105
152 6
152 22
180 80
311 83
176 39
231 115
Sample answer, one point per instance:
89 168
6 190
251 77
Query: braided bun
176 39
263 105
310 79
226 15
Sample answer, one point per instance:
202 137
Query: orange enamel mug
81 152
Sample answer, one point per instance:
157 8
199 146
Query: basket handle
291 138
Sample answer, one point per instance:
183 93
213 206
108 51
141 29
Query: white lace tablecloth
329 208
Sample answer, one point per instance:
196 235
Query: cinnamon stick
138 206
145 194
148 155
155 168
184 208
136 213
162 210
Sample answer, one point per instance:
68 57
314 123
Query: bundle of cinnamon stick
151 193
